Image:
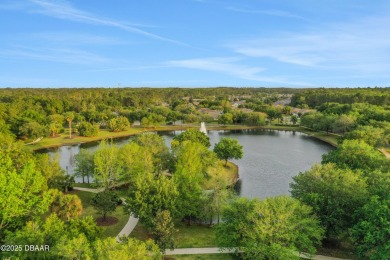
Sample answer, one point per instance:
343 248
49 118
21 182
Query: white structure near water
203 128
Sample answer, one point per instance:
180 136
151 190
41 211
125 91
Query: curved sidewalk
131 223
216 250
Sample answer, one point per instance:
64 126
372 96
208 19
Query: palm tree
69 117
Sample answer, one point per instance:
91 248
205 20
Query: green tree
136 160
217 196
273 113
108 167
66 206
333 193
87 129
228 148
155 144
192 135
60 236
255 118
32 129
55 129
164 230
131 249
118 124
69 116
371 234
173 116
150 195
274 228
84 164
294 119
343 124
225 119
356 154
104 202
51 170
23 194
77 247
189 174
373 136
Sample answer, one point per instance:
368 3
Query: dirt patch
109 221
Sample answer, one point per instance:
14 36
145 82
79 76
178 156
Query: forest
341 204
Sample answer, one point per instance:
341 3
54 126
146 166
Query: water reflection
271 158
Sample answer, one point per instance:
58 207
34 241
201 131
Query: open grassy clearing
85 185
192 236
63 139
228 173
88 210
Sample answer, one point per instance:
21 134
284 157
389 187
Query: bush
118 124
87 129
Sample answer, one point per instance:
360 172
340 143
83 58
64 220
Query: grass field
229 173
187 236
88 210
85 185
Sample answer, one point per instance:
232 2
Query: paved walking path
89 189
132 222
216 250
128 228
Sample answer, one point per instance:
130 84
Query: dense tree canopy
372 233
333 194
274 228
356 154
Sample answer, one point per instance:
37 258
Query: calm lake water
271 158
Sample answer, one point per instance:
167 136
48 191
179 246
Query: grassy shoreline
63 139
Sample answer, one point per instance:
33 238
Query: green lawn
63 139
88 210
187 236
194 236
85 185
229 173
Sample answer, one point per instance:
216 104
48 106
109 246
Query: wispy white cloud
224 65
272 12
53 55
231 67
64 10
361 46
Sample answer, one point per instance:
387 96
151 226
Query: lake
271 158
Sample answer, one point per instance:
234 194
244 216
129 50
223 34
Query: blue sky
194 43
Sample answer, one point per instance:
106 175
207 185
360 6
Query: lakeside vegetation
342 203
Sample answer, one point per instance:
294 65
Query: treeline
316 97
359 121
33 113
